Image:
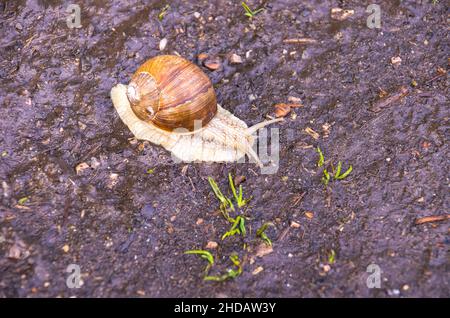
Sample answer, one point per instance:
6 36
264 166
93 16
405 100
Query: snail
171 102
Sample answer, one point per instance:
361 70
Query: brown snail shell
164 102
171 92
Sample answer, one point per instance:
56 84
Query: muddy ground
127 227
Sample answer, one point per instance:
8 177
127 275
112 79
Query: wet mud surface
127 227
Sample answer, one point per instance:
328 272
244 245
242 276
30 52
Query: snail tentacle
262 124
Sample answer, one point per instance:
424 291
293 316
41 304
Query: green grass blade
332 257
321 158
242 226
326 177
203 254
338 170
233 189
223 199
258 11
345 174
246 8
261 233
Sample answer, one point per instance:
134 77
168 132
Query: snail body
171 102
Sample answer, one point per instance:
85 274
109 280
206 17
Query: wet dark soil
127 227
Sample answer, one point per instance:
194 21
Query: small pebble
396 60
197 15
235 59
94 163
14 252
211 245
199 221
113 179
295 225
162 44
66 248
295 100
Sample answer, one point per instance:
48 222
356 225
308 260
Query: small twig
300 41
432 218
435 77
28 42
192 184
378 106
283 234
298 198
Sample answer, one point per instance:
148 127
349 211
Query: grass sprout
205 255
332 257
225 202
23 200
237 197
261 233
326 177
231 272
249 12
321 157
163 12
336 174
345 174
238 227
338 170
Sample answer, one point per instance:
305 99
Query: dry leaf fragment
81 167
282 109
258 270
263 250
309 215
213 63
312 133
341 14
